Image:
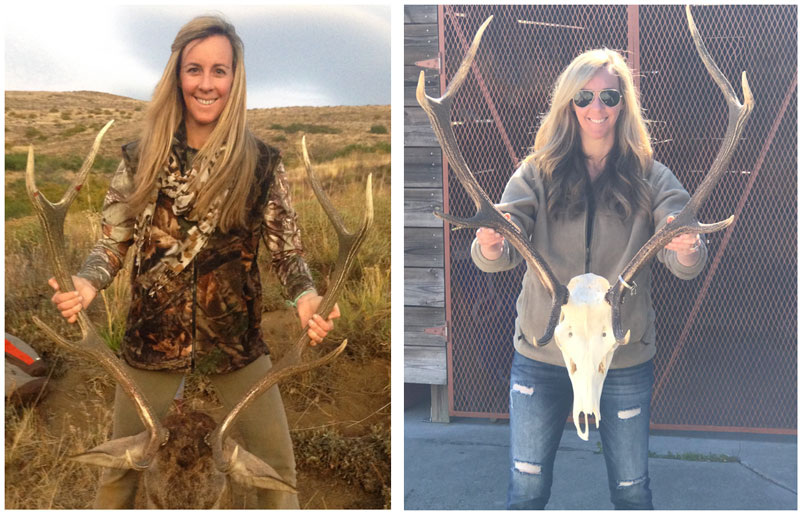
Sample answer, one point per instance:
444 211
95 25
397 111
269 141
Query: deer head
190 449
585 315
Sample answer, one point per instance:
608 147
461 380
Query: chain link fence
727 355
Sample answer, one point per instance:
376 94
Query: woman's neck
197 135
596 154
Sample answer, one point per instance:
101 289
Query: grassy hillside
339 415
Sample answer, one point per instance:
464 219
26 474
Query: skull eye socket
570 334
604 334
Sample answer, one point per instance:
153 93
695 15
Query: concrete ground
464 465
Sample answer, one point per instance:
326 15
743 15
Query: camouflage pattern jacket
209 318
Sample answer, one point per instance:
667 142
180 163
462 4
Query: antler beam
686 221
291 364
487 215
92 346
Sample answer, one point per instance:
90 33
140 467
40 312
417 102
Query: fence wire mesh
727 356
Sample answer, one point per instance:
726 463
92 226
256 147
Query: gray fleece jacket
562 243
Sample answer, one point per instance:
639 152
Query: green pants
263 428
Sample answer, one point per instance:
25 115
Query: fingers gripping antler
487 215
686 221
52 217
291 364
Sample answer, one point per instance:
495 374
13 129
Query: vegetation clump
308 128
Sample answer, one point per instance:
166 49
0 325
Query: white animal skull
587 342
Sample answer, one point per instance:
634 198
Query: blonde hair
235 167
557 151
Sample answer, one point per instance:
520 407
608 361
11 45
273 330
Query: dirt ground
349 397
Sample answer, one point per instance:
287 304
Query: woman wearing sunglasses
588 196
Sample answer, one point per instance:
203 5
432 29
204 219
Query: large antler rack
91 346
487 215
291 363
686 221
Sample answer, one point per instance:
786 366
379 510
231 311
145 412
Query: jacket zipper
589 218
194 311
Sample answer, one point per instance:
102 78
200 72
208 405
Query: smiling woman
193 198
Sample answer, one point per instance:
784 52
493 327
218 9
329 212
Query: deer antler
686 221
52 218
291 364
487 215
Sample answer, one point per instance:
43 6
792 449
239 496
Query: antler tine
290 364
487 215
737 116
686 221
52 217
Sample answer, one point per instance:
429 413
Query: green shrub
16 161
308 128
75 129
378 129
33 132
382 147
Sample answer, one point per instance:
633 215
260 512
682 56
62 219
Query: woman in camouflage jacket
193 198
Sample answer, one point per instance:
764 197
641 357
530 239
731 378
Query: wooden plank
426 365
425 34
423 247
417 320
422 167
417 317
440 404
411 76
418 206
424 287
422 339
417 130
420 14
416 53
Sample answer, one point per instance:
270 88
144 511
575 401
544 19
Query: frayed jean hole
629 413
524 390
634 482
527 468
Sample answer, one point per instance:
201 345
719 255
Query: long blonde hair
557 151
235 167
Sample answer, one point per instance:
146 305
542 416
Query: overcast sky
302 55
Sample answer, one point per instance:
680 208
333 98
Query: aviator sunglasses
609 97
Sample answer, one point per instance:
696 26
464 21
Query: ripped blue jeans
541 400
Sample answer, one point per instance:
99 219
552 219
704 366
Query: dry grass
339 415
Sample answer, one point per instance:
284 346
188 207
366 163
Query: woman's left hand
318 328
686 246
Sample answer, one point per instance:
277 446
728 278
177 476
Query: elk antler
291 364
93 347
487 215
686 221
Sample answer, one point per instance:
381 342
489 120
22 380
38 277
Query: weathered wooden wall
424 298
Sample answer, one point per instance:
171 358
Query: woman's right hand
72 302
491 241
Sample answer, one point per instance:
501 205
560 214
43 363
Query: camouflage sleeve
282 238
108 254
